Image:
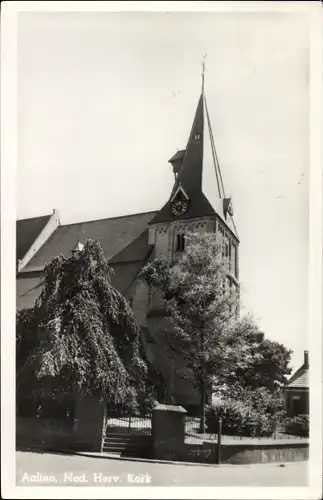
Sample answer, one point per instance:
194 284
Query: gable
299 379
27 230
124 241
113 234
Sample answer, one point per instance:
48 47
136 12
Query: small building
297 391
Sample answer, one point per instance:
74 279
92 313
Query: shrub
298 426
240 420
247 413
147 404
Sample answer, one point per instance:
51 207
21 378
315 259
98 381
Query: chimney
306 365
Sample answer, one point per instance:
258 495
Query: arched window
180 243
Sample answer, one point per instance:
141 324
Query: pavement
50 469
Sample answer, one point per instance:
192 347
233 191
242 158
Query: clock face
179 207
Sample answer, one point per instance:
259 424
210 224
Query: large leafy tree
81 333
199 311
269 361
214 349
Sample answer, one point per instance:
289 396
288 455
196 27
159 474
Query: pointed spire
203 71
198 174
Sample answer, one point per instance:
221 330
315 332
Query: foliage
87 337
248 412
25 336
198 311
147 402
213 347
267 363
298 426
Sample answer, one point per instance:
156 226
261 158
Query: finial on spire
203 71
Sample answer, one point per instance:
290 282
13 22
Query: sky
105 99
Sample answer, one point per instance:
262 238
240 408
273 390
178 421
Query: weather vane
203 70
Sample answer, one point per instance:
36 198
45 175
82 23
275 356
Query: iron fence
137 422
192 430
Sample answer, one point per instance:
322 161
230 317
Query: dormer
177 161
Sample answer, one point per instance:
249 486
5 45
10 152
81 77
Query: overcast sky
105 99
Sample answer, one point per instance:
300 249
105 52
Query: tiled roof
114 234
124 274
28 288
136 250
124 241
299 379
27 230
29 285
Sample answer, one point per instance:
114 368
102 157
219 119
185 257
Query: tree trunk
202 408
202 384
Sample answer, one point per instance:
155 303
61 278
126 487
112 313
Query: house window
180 242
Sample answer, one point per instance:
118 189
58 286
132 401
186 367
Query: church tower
198 201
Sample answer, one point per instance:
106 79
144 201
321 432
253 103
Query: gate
126 433
133 422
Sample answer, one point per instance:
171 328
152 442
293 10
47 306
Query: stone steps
127 444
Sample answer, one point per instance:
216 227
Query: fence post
218 455
104 425
129 425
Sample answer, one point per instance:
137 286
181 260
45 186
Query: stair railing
104 426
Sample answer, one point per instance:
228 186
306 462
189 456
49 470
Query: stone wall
236 454
168 439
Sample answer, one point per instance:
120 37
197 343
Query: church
197 203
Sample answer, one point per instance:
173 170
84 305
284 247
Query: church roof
28 288
124 241
114 234
199 175
27 230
